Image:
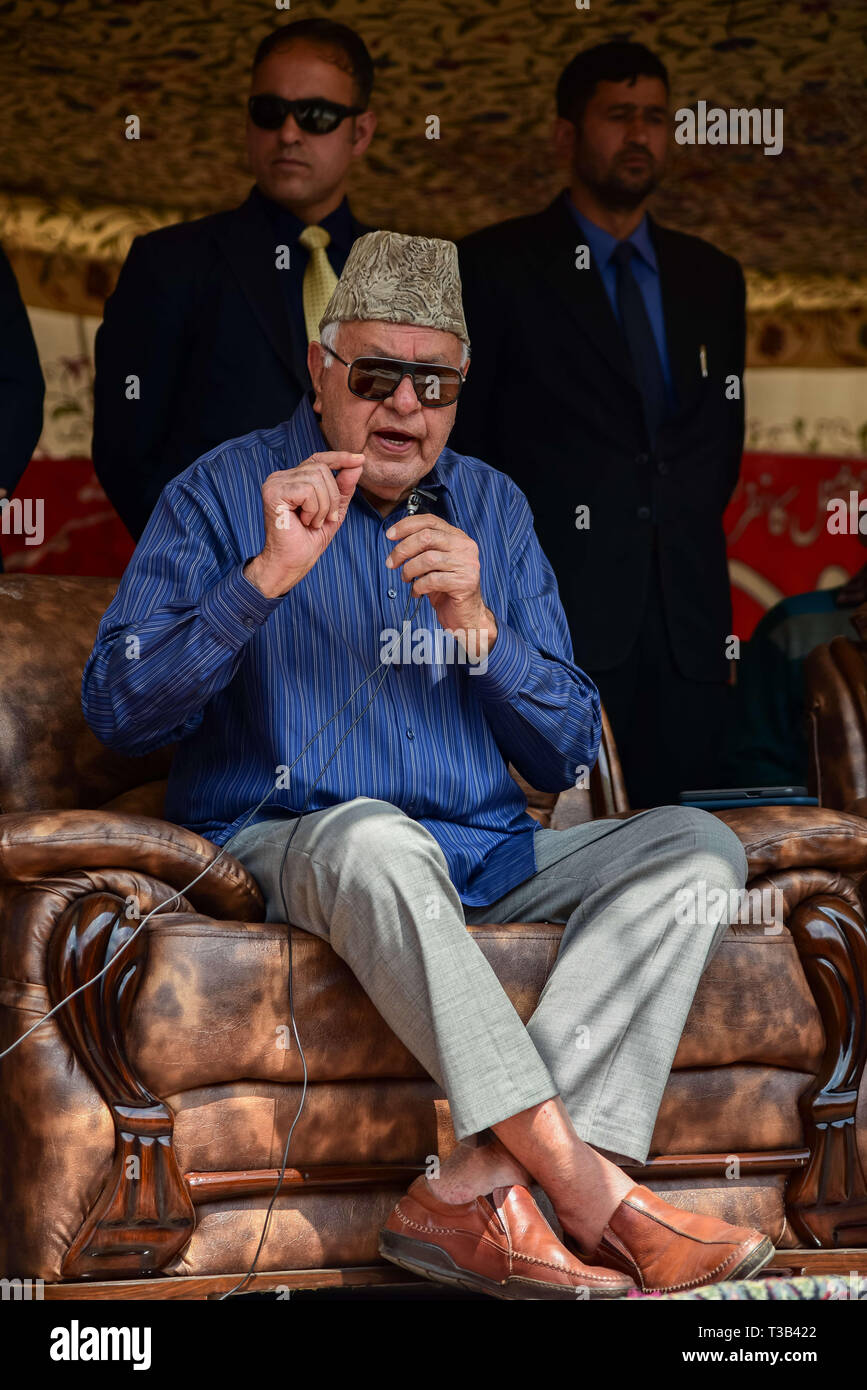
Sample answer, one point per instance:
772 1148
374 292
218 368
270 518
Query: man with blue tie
206 334
607 381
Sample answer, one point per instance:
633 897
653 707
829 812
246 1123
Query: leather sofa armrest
38 844
149 799
788 837
781 837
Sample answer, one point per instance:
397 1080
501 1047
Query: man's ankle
470 1173
451 1193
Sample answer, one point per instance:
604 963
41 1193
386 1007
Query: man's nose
639 130
404 398
290 131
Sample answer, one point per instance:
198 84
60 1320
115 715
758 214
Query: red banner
82 533
777 528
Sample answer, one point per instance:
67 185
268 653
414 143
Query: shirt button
249 622
392 593
642 459
643 513
662 467
410 734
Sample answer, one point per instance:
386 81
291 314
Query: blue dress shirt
241 681
644 268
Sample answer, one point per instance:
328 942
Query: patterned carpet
813 1287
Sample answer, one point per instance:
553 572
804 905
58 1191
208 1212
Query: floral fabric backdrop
71 72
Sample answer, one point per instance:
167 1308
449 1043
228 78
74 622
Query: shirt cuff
508 663
235 608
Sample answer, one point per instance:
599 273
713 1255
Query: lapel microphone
413 502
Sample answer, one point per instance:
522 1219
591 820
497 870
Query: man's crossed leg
583 1079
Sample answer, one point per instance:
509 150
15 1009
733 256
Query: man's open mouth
395 439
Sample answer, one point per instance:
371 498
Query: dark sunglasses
316 115
377 378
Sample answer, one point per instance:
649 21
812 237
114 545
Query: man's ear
365 125
316 367
563 138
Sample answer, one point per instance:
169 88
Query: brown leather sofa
141 1128
835 680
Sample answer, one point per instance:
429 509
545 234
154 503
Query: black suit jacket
22 388
199 316
551 399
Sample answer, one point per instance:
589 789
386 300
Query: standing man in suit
205 337
607 381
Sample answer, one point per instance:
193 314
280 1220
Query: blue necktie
640 340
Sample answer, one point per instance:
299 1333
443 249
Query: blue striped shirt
190 651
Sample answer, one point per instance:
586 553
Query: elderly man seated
363 780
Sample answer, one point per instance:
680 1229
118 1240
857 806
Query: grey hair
328 340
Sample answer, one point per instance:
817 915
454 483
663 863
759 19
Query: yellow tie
319 278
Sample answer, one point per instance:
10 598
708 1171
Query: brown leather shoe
665 1249
500 1245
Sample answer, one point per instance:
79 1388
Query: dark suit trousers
669 729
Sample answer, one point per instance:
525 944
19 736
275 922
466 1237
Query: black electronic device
731 798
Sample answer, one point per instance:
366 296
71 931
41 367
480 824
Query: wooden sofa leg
143 1215
826 1202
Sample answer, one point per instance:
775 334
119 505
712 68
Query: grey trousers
374 883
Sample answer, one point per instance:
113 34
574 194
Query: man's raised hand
304 509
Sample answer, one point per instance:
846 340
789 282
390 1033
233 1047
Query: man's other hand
443 562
